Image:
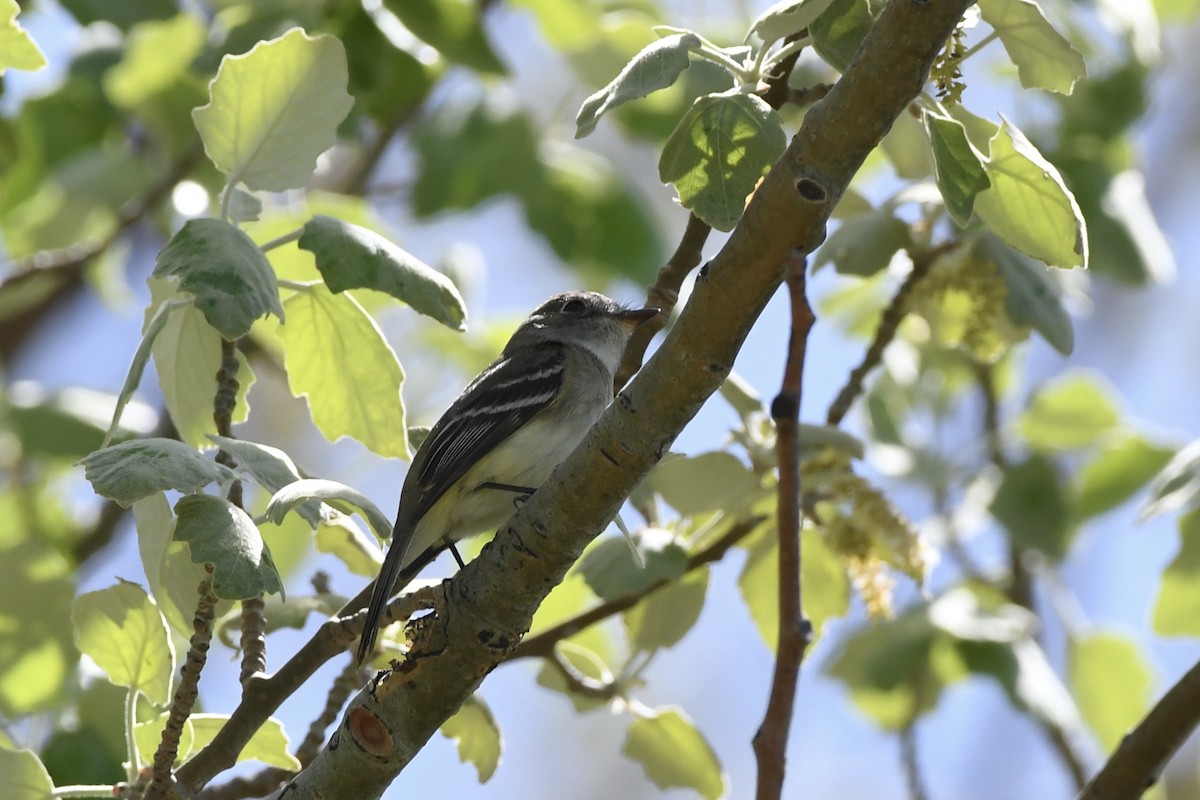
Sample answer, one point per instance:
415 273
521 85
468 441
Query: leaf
787 17
23 776
1028 206
342 538
664 618
1121 467
225 270
838 32
611 570
718 152
957 166
122 630
1033 297
352 257
657 66
337 358
1043 57
1072 411
271 468
275 109
141 357
269 744
473 728
170 573
157 54
1177 607
221 534
1112 683
1030 503
706 482
17 48
864 245
1177 485
453 27
296 493
1032 685
132 470
674 753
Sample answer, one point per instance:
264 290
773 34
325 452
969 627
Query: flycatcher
506 432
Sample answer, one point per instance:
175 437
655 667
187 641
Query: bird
504 435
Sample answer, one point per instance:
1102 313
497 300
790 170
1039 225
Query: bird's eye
575 306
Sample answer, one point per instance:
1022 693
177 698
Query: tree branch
795 630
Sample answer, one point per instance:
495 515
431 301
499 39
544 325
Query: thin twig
795 631
908 759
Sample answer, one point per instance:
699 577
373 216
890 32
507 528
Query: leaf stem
131 748
291 236
982 43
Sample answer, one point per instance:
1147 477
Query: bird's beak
636 316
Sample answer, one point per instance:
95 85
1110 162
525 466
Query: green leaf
223 267
271 468
17 48
132 470
718 152
1030 503
38 662
674 753
269 744
611 570
838 32
157 54
787 17
170 573
736 391
957 166
342 538
1112 683
1177 485
705 482
1032 685
1044 58
1177 607
823 582
665 617
292 495
67 424
221 534
23 777
473 728
1072 411
657 66
336 356
1033 298
187 356
122 630
1028 206
122 15
864 245
133 378
275 109
453 27
1122 467
352 257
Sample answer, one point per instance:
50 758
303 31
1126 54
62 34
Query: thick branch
490 603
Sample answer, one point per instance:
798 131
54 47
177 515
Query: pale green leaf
1072 411
1177 485
473 728
1177 607
122 630
1028 205
1121 467
864 244
292 495
221 534
157 54
1043 56
657 66
138 468
957 166
17 48
269 744
705 482
141 357
341 537
23 776
226 272
611 570
337 358
787 17
275 109
665 617
1112 683
674 753
1033 298
271 468
352 257
170 572
1031 504
719 151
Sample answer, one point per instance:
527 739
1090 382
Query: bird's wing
497 403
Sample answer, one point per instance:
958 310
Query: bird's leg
522 492
454 552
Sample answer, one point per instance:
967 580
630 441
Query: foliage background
974 744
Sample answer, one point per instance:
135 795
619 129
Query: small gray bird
506 432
